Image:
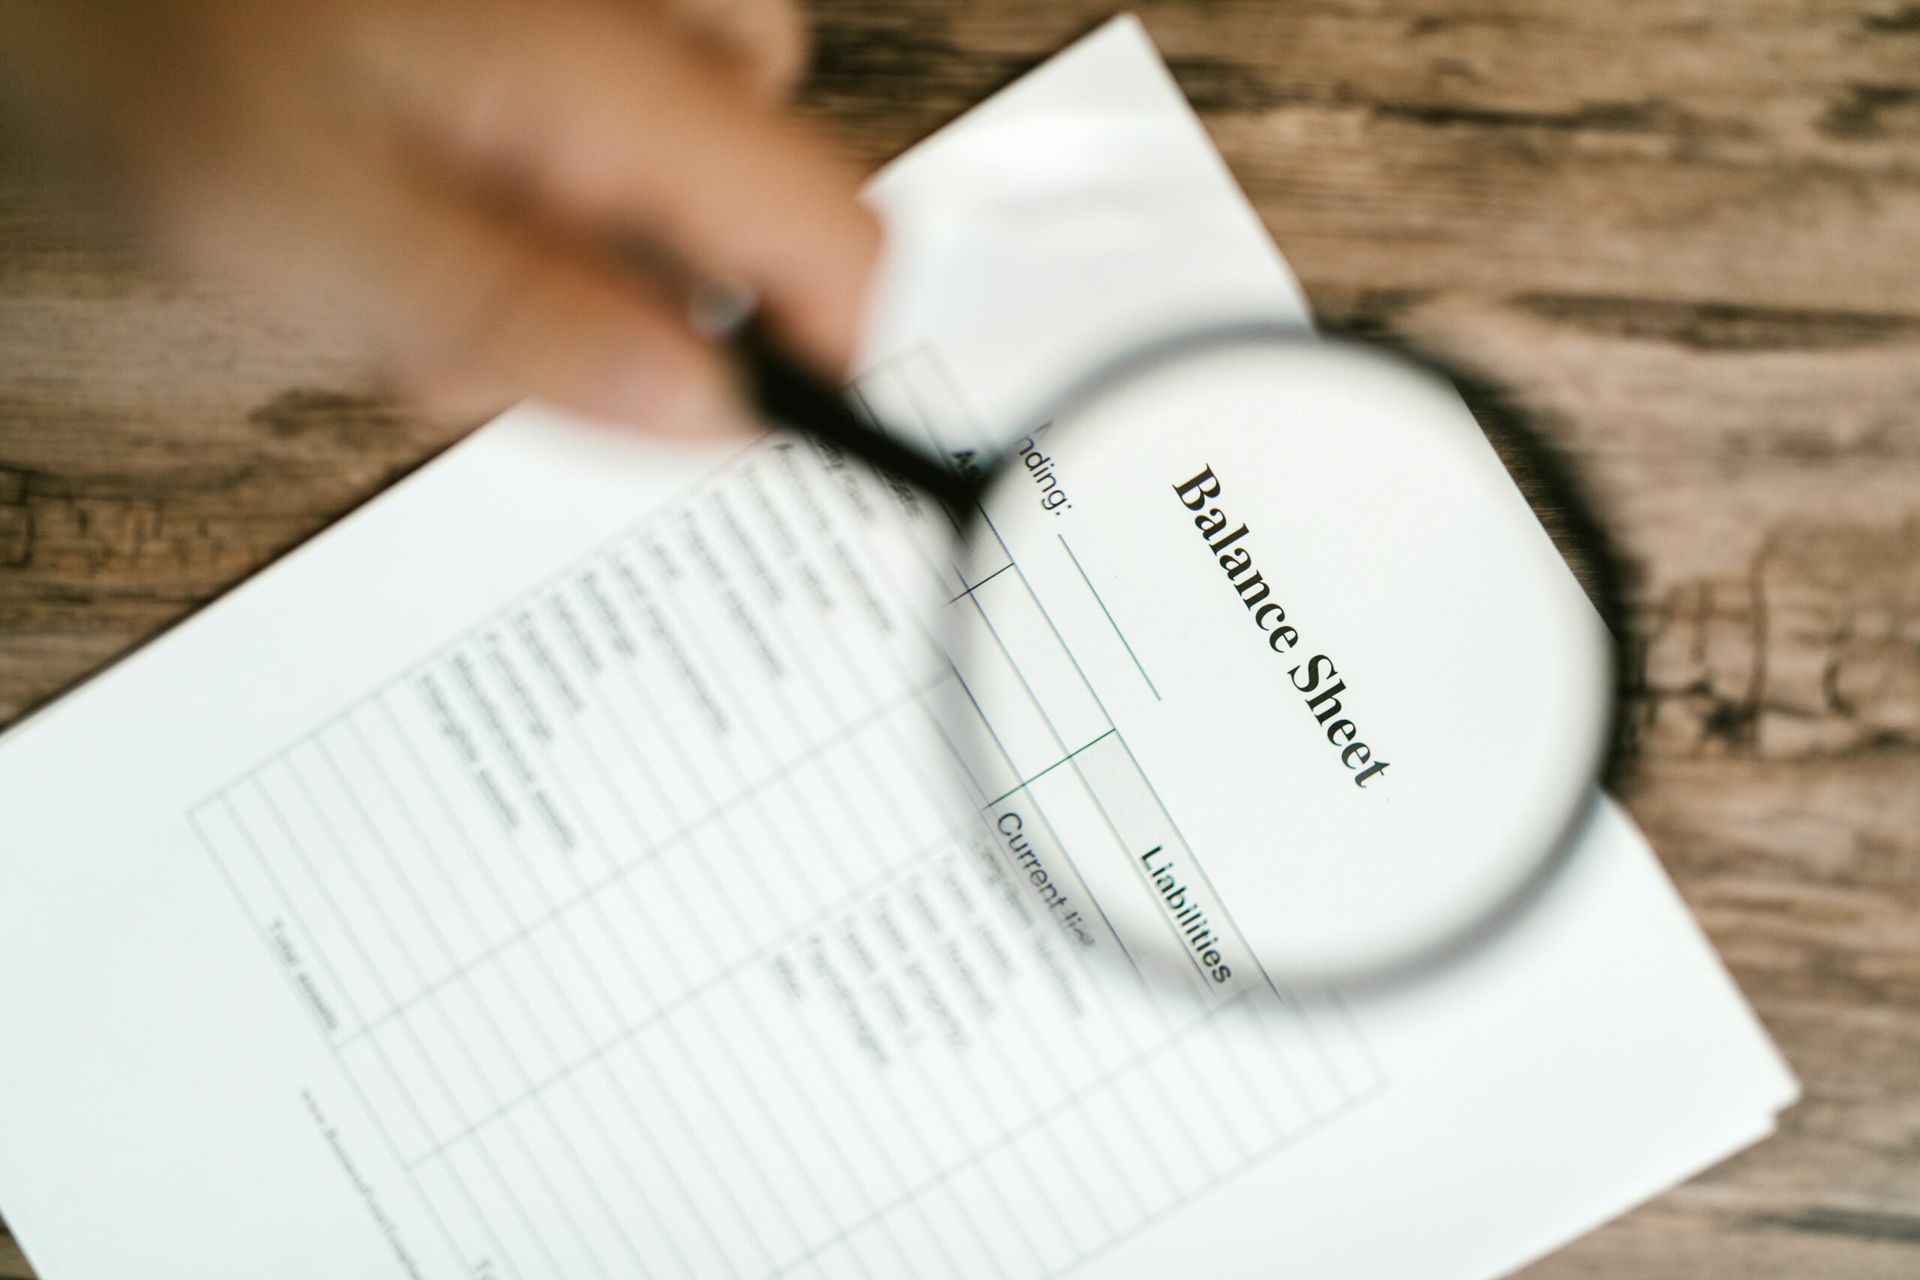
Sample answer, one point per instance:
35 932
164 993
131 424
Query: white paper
547 873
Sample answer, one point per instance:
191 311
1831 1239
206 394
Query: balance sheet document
557 870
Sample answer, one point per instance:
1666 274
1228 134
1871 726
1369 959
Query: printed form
555 870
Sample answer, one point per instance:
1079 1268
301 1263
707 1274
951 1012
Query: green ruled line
1137 664
1049 769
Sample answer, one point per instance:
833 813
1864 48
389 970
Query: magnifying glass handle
793 396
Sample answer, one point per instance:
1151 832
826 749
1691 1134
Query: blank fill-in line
1110 622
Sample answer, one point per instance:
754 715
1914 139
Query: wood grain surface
1686 235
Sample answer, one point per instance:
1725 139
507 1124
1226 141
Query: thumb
475 311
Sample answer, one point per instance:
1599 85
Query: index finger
604 114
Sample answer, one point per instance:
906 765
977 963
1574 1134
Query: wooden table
1686 234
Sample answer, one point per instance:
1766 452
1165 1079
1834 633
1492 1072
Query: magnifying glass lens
1266 667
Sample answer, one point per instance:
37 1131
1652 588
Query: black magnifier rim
1546 480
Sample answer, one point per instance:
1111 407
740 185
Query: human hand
455 182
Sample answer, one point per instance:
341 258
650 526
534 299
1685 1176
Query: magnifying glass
1264 658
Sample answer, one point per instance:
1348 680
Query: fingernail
687 399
